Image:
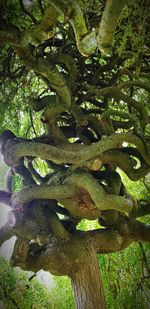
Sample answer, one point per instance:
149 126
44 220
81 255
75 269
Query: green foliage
87 225
62 295
126 274
131 34
18 291
17 183
137 189
125 278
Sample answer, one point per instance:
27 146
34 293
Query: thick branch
117 94
36 176
137 83
121 114
25 173
57 227
68 61
20 252
9 180
7 231
120 236
124 162
143 209
42 192
77 155
86 41
41 31
102 200
9 34
108 24
139 231
48 71
5 198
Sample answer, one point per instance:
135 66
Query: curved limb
68 61
78 155
9 180
134 120
43 191
40 31
29 225
20 252
57 227
120 236
23 171
5 197
115 93
142 210
35 175
7 230
108 24
125 163
102 200
132 83
48 71
86 41
39 65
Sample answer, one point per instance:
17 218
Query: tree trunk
87 284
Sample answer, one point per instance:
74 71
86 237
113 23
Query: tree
90 64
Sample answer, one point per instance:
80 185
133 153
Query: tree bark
87 284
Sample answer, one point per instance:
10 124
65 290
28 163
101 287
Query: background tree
91 96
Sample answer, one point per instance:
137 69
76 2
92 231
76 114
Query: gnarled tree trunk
87 284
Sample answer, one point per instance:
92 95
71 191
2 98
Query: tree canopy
74 114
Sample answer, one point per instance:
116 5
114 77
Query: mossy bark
108 24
